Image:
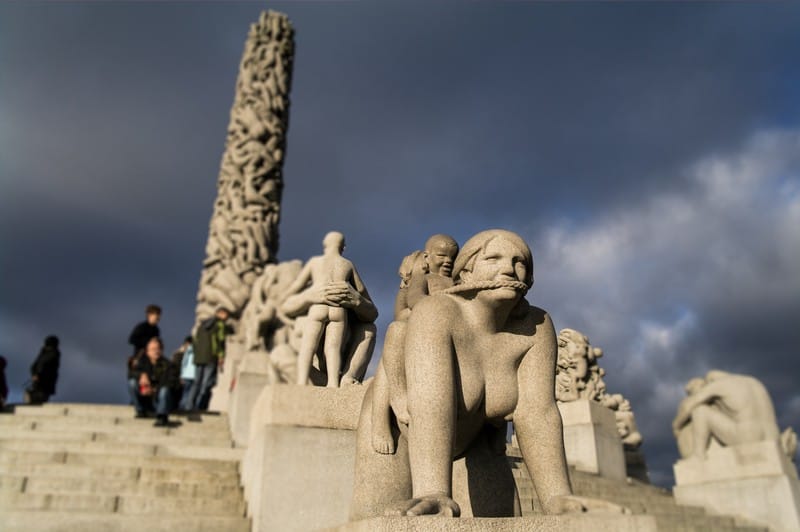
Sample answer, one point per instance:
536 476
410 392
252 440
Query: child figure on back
421 274
322 318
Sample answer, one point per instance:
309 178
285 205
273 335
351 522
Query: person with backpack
209 357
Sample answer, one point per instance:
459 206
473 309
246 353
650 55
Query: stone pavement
640 498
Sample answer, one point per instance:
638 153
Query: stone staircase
639 497
81 467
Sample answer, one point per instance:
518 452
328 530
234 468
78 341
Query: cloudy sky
648 152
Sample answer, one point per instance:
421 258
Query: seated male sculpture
325 319
475 356
728 408
421 273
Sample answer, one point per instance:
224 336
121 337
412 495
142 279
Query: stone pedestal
298 467
221 393
591 440
250 380
595 522
756 481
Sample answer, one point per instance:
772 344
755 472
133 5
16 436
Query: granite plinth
591 440
561 523
755 480
298 467
221 393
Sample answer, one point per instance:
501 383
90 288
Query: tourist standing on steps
183 358
209 356
155 377
144 331
44 372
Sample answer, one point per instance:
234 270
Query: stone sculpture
726 409
350 297
734 460
579 376
243 232
421 273
466 350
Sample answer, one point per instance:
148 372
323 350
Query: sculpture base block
756 481
243 398
561 523
591 440
297 471
221 392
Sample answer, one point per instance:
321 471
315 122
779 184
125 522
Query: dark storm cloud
409 119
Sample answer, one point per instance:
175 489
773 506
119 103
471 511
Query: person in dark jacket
3 384
155 378
209 356
44 372
144 331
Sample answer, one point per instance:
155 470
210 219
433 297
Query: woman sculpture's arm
430 373
537 421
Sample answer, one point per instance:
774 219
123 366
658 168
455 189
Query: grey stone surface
243 232
591 439
300 449
576 523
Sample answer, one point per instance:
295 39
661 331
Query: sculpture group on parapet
725 409
579 376
243 232
466 348
295 309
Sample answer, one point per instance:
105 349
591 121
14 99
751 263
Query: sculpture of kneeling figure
476 356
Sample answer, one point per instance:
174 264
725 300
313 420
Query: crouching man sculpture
476 356
728 409
734 459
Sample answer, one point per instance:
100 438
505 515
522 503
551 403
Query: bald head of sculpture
333 240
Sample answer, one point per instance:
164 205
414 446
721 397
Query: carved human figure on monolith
467 353
324 319
421 274
726 408
243 231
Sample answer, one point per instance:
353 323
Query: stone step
131 426
124 448
154 474
17 521
125 504
229 490
95 411
19 459
150 437
129 419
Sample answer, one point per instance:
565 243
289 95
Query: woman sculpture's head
495 255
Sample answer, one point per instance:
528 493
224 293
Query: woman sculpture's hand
434 504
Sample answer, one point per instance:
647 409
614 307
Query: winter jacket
162 372
209 341
141 334
45 367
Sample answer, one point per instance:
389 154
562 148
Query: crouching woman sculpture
476 356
